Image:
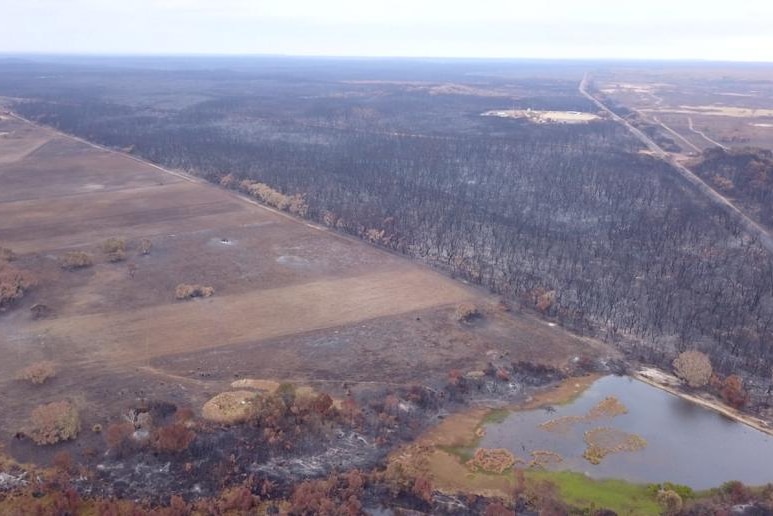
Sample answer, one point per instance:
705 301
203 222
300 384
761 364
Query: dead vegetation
561 424
6 255
38 372
54 422
544 458
694 368
608 407
172 438
186 291
295 204
14 282
40 311
603 441
496 460
114 249
467 312
144 246
74 260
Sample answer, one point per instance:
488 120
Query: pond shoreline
671 384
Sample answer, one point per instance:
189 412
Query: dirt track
751 227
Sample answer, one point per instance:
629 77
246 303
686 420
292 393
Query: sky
565 29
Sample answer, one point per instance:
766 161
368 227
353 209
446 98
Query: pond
685 443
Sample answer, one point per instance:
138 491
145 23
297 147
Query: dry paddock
292 301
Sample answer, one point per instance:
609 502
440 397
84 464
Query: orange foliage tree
733 391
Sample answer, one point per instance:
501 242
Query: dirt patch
545 117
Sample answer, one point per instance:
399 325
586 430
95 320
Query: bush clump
14 283
54 422
694 368
496 460
186 291
6 255
466 312
230 407
115 249
145 246
172 438
38 372
76 260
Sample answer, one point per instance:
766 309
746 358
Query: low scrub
145 246
491 460
115 249
186 291
295 204
467 312
14 282
6 255
172 438
54 422
38 372
76 260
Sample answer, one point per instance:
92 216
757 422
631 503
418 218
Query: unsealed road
748 224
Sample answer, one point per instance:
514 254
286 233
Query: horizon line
96 54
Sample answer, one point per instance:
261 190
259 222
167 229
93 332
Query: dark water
686 444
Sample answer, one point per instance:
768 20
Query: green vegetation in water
581 491
465 452
495 416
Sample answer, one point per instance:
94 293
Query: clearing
545 117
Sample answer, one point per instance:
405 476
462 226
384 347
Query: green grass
463 453
580 491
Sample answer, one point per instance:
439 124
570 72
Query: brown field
292 301
730 106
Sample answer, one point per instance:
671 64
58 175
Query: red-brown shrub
117 434
733 391
38 372
173 438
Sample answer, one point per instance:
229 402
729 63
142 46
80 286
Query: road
703 135
677 135
748 224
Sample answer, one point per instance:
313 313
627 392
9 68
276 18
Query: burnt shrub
172 438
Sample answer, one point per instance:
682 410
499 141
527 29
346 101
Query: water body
686 443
